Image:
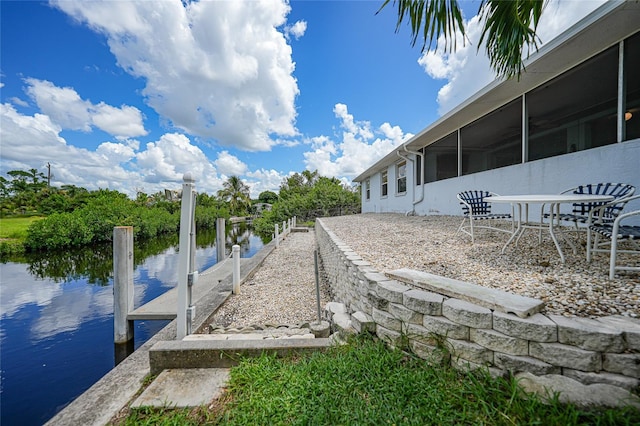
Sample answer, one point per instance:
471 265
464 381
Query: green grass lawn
365 383
13 233
16 227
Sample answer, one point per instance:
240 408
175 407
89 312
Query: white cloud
358 149
65 107
265 180
230 165
467 69
122 122
296 30
218 70
33 141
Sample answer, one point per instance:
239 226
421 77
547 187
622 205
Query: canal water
56 318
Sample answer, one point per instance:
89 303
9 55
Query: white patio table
553 201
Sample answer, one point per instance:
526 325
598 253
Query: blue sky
131 95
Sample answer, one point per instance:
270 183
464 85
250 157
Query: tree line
75 216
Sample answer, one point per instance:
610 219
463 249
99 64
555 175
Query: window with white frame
401 177
383 179
367 188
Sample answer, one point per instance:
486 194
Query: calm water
56 328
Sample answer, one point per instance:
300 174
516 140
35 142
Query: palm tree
509 27
235 192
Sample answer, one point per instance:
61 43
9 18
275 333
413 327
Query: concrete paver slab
184 388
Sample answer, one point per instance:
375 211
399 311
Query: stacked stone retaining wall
604 350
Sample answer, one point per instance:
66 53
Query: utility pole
48 175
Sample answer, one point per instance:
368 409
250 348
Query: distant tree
298 184
235 192
268 197
509 26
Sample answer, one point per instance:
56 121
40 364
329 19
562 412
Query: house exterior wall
611 163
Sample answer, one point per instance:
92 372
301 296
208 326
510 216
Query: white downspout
413 194
421 155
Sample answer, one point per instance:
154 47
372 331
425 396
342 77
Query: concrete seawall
117 388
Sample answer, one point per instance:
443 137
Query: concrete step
184 388
216 353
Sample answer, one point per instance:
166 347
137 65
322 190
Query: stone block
422 335
467 366
377 302
626 364
433 355
342 322
390 337
499 342
375 277
588 334
630 328
572 391
405 314
516 364
484 296
423 302
470 351
335 308
618 380
566 356
363 323
386 320
537 327
391 291
445 327
466 313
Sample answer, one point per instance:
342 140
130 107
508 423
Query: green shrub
58 231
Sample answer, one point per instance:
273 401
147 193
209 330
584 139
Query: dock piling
122 283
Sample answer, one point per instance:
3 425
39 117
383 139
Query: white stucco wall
612 163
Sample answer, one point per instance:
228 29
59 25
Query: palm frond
430 18
509 27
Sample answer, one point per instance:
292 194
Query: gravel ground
428 243
282 291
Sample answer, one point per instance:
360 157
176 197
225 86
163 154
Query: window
632 85
384 183
494 140
401 177
576 110
367 188
441 159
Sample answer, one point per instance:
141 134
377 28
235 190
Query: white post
295 221
236 269
184 259
122 283
277 237
284 229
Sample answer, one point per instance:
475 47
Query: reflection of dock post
236 269
122 283
220 238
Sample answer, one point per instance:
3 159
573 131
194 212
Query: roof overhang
601 29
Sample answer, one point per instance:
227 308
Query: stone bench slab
498 300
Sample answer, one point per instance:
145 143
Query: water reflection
56 317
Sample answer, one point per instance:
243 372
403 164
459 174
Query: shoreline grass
366 383
13 233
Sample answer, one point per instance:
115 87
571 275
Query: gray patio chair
474 207
581 212
614 233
